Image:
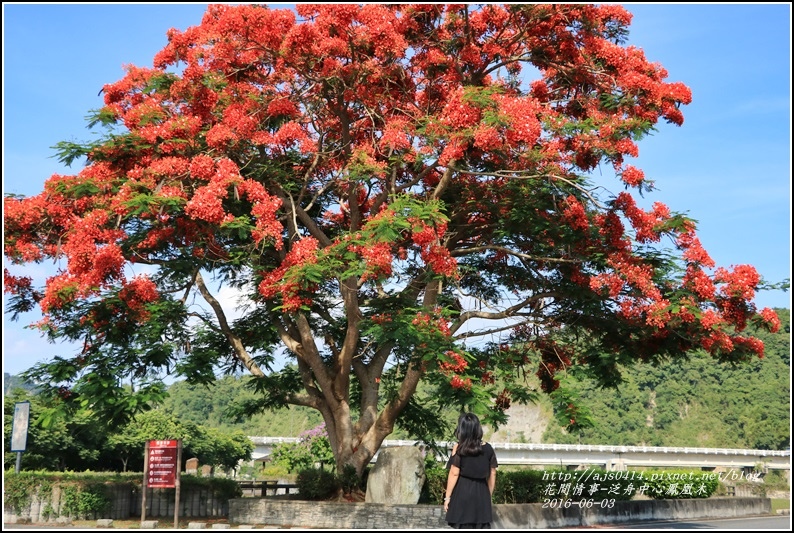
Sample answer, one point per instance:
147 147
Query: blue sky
728 166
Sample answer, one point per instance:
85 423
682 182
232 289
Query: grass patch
780 503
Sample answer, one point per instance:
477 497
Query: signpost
19 431
161 469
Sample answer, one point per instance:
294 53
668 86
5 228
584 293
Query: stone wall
327 515
333 515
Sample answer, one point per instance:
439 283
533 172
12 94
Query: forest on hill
697 403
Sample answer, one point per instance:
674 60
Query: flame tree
377 184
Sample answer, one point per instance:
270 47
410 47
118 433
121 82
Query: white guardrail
572 447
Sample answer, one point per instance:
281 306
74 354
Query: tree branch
234 340
477 249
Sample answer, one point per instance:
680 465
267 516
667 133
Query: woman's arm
454 451
452 480
492 481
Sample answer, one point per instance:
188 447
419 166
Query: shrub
349 479
435 485
84 500
519 486
18 488
316 483
313 447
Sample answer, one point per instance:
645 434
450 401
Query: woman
472 477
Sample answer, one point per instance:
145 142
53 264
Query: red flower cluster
502 400
427 323
457 364
136 293
283 280
460 383
553 359
741 283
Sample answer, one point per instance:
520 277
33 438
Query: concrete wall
534 515
327 515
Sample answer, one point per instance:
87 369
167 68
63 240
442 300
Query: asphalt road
766 523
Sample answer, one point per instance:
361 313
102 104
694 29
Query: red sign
162 464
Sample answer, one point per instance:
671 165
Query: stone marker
206 470
397 477
191 466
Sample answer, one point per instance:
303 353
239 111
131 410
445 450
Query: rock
397 477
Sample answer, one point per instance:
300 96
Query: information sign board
163 466
19 427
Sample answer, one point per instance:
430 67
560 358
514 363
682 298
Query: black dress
470 502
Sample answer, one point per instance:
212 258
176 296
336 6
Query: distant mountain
15 382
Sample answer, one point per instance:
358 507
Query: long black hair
469 434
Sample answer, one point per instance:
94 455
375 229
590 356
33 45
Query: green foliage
316 483
210 446
312 448
349 479
293 456
776 480
85 500
19 488
272 471
55 442
695 403
435 484
83 495
519 486
84 442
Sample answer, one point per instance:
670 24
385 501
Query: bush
435 485
18 489
349 479
519 486
85 500
313 447
775 480
316 483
